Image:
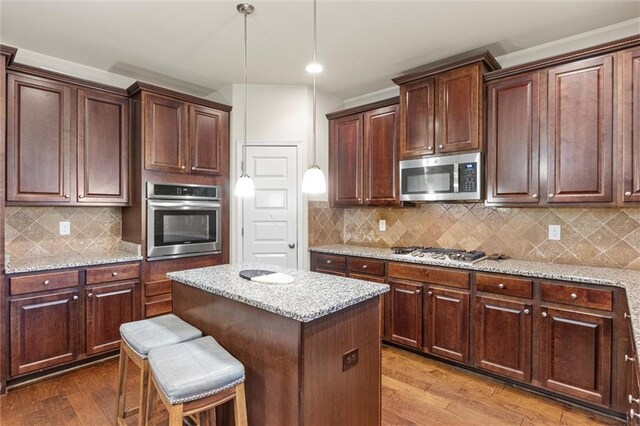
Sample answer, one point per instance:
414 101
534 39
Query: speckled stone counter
124 252
310 296
627 279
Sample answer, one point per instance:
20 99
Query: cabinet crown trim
364 108
139 86
9 52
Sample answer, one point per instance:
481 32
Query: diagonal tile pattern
590 236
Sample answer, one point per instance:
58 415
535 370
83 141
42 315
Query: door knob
292 245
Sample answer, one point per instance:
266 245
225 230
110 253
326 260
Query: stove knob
420 254
413 253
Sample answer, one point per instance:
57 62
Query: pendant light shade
244 185
313 181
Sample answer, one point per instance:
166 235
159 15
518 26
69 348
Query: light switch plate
382 225
554 232
65 228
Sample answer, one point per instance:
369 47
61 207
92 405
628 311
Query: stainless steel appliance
182 220
447 255
447 178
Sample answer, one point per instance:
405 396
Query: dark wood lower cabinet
405 324
447 323
503 337
575 353
43 331
108 306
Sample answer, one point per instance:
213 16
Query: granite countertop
123 252
625 278
312 295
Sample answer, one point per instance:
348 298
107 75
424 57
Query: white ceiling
362 45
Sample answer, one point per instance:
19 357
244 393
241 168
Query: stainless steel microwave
442 178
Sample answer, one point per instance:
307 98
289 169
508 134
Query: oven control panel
178 191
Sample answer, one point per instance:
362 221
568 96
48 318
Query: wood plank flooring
415 391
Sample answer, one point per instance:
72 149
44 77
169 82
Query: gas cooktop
453 255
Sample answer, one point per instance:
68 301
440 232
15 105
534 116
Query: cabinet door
405 314
107 307
513 142
103 147
345 164
38 140
380 135
459 112
630 63
447 324
575 354
503 337
207 130
417 118
43 331
165 134
580 126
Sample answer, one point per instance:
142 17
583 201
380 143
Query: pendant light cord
244 147
315 143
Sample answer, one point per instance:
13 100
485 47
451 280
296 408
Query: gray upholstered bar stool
193 378
138 338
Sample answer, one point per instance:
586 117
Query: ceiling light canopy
314 68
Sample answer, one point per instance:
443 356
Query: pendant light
244 185
313 181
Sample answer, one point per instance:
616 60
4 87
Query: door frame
302 239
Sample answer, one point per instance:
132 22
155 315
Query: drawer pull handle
76 298
632 400
544 315
328 261
90 295
629 358
633 414
500 286
526 312
46 282
114 274
364 266
574 296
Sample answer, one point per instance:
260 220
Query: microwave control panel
468 177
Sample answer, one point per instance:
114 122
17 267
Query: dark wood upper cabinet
580 131
417 122
165 134
103 147
346 159
207 131
513 142
380 158
568 335
38 140
405 314
630 116
503 337
446 326
459 111
108 306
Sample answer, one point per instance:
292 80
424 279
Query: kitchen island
311 349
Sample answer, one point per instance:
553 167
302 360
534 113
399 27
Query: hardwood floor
415 391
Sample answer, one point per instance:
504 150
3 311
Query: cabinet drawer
154 288
508 286
43 282
112 273
366 266
158 305
329 261
429 275
577 296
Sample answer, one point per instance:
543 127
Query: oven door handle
186 205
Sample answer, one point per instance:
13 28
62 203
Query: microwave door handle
456 182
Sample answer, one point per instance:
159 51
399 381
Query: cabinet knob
551 195
629 358
328 261
544 315
46 282
429 148
430 293
574 296
535 195
626 315
114 274
526 312
418 291
90 295
627 194
66 195
80 196
76 298
440 146
500 285
633 414
632 400
364 266
183 167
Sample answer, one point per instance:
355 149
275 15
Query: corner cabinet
630 115
363 155
76 137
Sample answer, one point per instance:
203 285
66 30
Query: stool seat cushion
194 369
150 333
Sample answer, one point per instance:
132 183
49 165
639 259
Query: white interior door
270 217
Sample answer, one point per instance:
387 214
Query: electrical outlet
382 225
554 232
65 228
350 359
